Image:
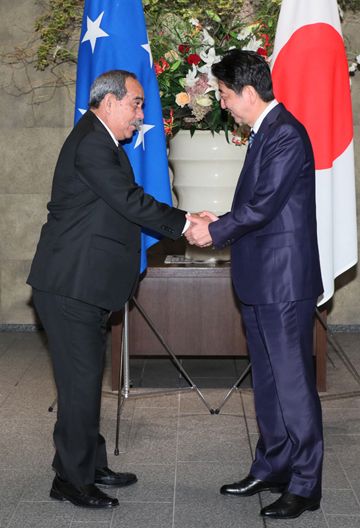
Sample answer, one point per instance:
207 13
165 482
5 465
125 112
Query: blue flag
113 36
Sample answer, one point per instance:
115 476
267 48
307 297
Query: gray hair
109 82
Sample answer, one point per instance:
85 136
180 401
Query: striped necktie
251 138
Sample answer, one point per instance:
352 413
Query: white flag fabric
310 75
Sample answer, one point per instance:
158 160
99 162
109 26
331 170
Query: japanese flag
310 75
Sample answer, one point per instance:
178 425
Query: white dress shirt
262 116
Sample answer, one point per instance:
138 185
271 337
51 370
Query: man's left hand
198 232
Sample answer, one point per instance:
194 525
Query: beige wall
32 128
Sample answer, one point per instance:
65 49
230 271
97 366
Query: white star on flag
82 111
147 48
141 136
94 31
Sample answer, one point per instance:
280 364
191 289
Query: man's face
124 113
238 105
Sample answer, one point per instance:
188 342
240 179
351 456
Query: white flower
247 34
207 39
213 85
253 44
358 59
244 33
353 67
190 78
203 100
209 58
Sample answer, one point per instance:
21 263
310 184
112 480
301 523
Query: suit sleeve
98 166
282 160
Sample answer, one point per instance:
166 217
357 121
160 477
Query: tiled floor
181 453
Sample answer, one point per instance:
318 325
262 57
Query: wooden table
194 308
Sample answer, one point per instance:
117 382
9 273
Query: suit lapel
120 152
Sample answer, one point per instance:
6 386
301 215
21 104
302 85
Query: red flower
183 48
168 123
193 58
161 66
266 40
262 52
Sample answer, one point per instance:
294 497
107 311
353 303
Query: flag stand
124 392
338 350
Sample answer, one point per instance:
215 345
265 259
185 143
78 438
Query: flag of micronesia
113 36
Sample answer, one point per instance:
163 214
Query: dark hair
113 82
239 68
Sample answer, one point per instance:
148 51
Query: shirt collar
108 129
262 116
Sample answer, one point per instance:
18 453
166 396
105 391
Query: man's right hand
198 232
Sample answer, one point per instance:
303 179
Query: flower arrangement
184 51
187 41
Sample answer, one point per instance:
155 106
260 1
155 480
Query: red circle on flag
311 78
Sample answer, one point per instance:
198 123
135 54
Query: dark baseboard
8 327
349 329
20 328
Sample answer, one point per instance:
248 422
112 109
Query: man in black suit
87 265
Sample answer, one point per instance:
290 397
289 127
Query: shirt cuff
186 226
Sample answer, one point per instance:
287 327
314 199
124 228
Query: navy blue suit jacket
272 223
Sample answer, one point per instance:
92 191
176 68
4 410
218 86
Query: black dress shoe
106 477
290 506
251 485
88 496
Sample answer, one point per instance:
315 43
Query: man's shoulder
287 117
85 125
87 130
285 128
282 121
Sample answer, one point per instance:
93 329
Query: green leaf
175 65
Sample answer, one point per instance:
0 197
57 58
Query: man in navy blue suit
276 275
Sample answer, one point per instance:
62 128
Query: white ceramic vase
206 170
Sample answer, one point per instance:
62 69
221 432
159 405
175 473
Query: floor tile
90 524
155 484
343 521
340 502
334 475
143 515
42 515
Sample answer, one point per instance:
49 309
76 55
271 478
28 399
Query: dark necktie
251 138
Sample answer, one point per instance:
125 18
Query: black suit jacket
89 248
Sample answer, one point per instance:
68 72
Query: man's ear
251 93
107 102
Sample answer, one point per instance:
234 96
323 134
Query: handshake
198 231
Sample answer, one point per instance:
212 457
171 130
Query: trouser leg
287 404
76 334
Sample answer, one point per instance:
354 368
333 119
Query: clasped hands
198 231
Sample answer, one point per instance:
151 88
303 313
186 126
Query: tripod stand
338 350
124 377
